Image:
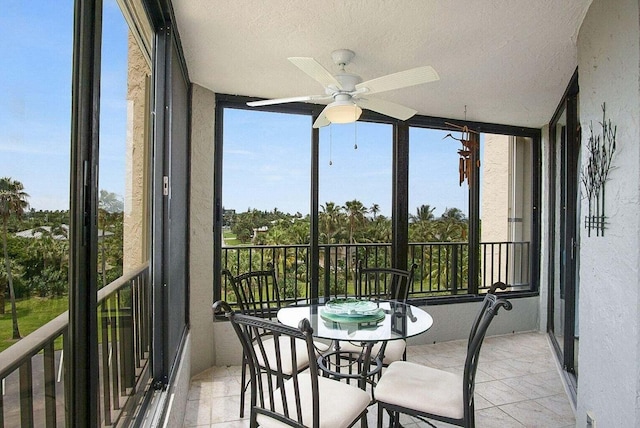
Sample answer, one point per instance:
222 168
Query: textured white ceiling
507 61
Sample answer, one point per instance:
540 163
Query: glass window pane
438 212
36 43
124 149
506 211
355 168
434 177
123 214
35 83
266 196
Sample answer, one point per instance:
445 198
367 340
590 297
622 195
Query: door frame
568 235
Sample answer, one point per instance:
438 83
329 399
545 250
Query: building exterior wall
136 201
609 316
200 233
495 188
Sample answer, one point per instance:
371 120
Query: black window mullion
82 347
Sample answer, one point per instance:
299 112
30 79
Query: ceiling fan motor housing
348 81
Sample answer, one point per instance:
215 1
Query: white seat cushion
422 388
340 403
302 357
393 352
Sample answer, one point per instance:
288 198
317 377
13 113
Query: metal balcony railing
442 267
32 371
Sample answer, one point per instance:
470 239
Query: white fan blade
288 100
277 101
321 120
387 108
314 69
402 79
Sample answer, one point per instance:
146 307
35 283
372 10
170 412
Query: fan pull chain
330 144
355 135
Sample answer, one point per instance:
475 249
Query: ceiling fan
349 93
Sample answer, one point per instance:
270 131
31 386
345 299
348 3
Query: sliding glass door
564 233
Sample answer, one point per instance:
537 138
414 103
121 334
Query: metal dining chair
376 283
430 393
257 294
296 398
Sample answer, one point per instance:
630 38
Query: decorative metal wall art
595 172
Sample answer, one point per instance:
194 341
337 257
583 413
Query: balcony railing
32 370
442 267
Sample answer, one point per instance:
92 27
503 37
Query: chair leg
253 423
243 384
396 420
364 423
380 415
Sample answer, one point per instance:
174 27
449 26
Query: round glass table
381 321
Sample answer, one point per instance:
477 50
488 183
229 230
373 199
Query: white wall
200 232
609 368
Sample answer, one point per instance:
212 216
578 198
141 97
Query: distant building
37 232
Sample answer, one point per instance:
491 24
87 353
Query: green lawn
230 238
32 314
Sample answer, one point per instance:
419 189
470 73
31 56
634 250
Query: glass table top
390 320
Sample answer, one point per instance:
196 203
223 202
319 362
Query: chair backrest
256 292
485 303
487 312
384 283
261 337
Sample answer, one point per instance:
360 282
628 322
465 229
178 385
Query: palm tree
379 230
330 220
16 271
13 201
453 214
277 237
375 209
423 213
356 214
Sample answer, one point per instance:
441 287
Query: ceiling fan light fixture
343 112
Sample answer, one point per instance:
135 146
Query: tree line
37 265
350 223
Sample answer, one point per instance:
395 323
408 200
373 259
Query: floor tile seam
506 414
524 423
522 376
503 376
537 398
504 404
526 401
552 410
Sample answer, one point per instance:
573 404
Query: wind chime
469 146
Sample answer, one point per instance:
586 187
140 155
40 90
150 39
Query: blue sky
35 106
266 155
267 164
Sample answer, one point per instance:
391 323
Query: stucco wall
201 236
495 188
608 67
136 207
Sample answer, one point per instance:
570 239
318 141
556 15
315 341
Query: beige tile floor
517 385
